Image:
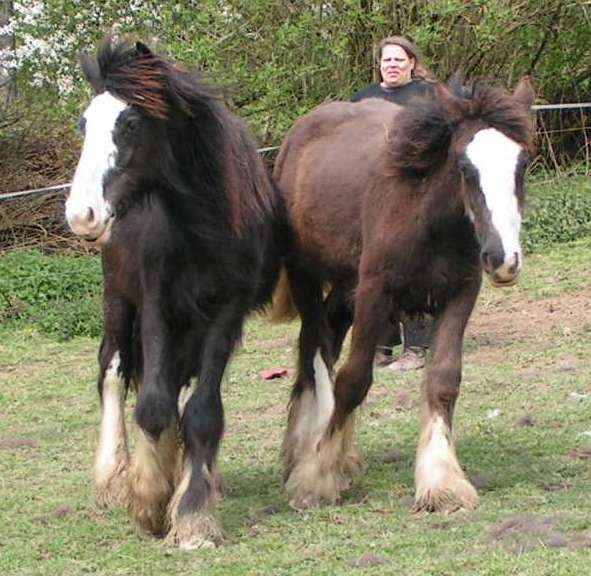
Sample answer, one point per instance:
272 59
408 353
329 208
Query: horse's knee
154 414
351 388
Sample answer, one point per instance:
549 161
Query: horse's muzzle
503 271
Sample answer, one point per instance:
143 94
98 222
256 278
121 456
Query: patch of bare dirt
497 326
522 533
581 453
12 443
525 421
368 560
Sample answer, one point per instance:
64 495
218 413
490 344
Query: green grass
527 352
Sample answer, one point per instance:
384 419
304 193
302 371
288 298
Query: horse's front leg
192 509
115 362
154 464
441 485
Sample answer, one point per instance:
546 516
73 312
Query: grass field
523 424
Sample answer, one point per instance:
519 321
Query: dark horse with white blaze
170 184
394 210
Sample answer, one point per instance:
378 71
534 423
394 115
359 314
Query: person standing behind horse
404 81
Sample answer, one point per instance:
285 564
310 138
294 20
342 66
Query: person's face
396 66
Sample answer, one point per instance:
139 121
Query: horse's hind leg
191 513
339 315
441 484
315 471
115 359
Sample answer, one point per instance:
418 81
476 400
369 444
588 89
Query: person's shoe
382 359
411 359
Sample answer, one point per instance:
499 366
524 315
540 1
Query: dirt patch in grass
581 453
495 327
525 421
520 534
12 443
368 560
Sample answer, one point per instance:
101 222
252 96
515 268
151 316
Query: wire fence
543 133
34 217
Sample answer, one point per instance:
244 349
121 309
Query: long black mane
208 160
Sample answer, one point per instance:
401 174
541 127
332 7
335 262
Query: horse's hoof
148 517
302 502
462 496
194 531
112 492
308 487
148 501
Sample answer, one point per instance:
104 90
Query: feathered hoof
194 531
455 496
112 491
310 486
148 501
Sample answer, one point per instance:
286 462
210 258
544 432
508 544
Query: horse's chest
430 286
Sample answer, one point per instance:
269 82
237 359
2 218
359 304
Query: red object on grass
273 373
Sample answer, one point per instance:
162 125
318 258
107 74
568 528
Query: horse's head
119 137
491 145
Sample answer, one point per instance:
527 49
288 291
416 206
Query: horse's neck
441 197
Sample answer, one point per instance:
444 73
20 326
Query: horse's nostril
486 260
515 266
90 215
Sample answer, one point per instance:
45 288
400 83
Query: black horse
170 185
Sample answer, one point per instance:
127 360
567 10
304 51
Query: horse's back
328 162
343 126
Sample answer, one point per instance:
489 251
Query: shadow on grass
508 460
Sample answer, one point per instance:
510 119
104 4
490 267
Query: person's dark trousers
416 333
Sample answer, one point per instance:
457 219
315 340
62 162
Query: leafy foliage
559 211
60 295
280 58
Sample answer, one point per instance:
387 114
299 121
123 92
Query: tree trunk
7 75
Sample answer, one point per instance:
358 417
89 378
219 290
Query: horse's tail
283 308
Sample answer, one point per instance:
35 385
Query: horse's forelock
500 110
159 87
137 78
423 133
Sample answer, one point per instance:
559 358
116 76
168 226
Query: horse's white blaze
112 451
495 156
87 211
316 407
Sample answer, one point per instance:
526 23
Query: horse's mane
423 133
210 147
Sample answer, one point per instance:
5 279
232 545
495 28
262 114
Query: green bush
558 211
61 295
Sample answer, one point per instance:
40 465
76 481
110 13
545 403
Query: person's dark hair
419 70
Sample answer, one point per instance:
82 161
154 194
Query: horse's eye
130 124
82 124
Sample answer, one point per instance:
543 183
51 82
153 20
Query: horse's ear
454 107
456 84
524 92
142 49
92 72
